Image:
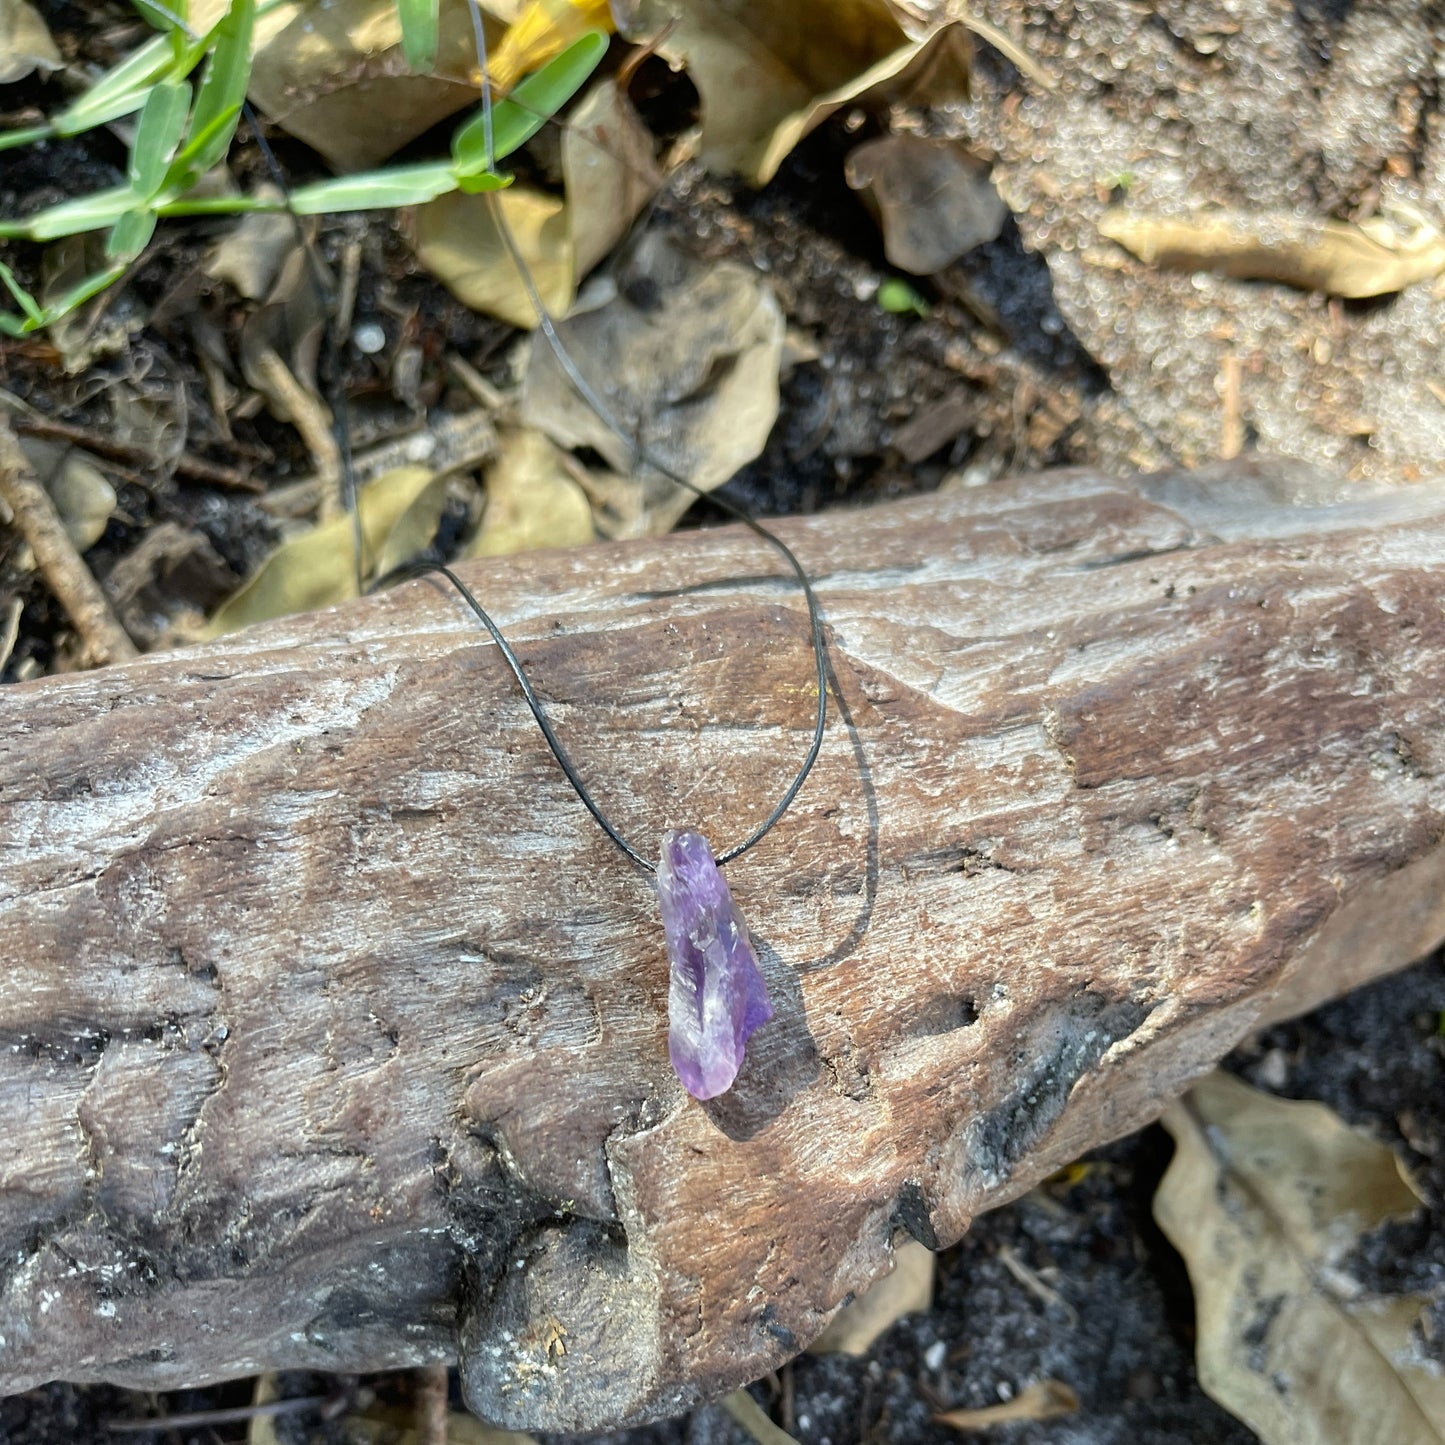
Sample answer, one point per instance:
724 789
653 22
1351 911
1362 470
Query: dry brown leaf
609 174
1043 1400
933 199
456 239
767 73
83 497
25 43
533 500
685 356
334 76
398 513
251 255
1373 258
1264 1199
906 1290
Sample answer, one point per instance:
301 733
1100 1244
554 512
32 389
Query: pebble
369 338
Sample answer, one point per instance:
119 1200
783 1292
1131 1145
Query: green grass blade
95 212
533 102
82 292
157 134
9 139
162 17
204 149
119 91
376 190
215 206
34 318
22 296
483 181
223 88
123 89
130 235
420 30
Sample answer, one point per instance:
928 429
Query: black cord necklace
716 994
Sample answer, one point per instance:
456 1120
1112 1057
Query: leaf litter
1264 1199
685 357
25 43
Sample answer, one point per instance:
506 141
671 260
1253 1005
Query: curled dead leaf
335 77
609 174
767 74
1043 1400
456 238
250 256
1264 1198
1340 258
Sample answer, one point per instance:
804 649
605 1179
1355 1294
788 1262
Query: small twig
453 443
431 1405
346 291
63 568
235 1415
1036 1286
309 418
10 630
197 468
496 401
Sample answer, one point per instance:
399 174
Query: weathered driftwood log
334 1030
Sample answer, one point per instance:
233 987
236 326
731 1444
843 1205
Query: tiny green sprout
897 296
177 142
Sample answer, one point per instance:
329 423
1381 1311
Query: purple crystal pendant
716 997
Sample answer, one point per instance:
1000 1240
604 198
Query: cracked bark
334 1031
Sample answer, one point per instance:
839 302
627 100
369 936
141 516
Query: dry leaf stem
453 443
309 418
198 469
754 1419
63 568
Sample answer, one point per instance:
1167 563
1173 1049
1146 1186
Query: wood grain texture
333 1031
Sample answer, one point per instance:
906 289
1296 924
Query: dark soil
1044 359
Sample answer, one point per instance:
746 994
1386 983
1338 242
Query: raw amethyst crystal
716 997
